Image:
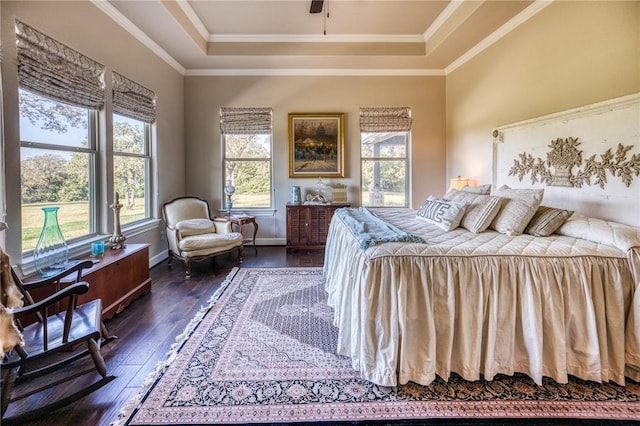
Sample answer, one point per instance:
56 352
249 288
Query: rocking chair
54 331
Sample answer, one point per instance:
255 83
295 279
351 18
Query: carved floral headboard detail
565 156
587 159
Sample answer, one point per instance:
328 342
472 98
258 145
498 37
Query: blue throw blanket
370 230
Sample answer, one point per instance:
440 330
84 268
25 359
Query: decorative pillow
481 209
600 231
547 220
444 214
195 227
480 189
517 210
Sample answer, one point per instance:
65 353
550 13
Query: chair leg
105 337
187 263
8 382
240 256
98 360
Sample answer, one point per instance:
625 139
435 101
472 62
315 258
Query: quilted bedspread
487 304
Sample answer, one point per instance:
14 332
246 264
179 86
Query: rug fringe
133 404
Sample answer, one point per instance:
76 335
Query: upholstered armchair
193 236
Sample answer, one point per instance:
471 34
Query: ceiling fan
316 6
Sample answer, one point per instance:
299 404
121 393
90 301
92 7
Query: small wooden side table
240 221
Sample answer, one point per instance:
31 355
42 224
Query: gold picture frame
316 145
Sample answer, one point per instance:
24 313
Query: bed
486 303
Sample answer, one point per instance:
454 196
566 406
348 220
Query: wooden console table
117 278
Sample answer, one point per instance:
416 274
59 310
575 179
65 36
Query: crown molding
441 19
194 18
511 25
125 23
315 38
315 72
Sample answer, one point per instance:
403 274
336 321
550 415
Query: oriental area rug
263 351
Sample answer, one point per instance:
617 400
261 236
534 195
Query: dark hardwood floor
147 328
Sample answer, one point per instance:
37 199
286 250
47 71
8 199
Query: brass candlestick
117 239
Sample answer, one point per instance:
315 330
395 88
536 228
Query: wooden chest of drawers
308 225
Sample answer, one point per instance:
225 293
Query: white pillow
444 214
518 208
195 227
601 231
481 209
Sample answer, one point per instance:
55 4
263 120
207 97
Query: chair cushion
211 242
195 227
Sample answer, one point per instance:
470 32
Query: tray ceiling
415 37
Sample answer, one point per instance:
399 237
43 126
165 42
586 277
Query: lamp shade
229 189
458 183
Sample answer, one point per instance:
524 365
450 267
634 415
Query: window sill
82 248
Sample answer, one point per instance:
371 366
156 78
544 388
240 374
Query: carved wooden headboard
587 159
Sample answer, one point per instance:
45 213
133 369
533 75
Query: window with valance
384 156
246 139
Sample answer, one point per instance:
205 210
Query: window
246 140
131 161
134 109
57 166
384 148
61 91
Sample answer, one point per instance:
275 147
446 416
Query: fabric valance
133 100
245 120
54 70
385 119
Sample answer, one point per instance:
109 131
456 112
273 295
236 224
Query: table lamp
229 190
459 183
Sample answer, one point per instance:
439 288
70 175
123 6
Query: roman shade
245 120
54 70
133 100
385 119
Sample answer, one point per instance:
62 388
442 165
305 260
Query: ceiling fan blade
316 6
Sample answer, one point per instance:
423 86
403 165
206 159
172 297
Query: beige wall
85 28
570 54
205 95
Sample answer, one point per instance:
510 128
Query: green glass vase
51 254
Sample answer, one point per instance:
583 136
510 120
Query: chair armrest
65 293
223 226
75 266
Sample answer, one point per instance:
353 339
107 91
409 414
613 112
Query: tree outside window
247 165
131 167
58 153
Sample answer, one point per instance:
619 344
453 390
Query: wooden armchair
55 333
192 235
